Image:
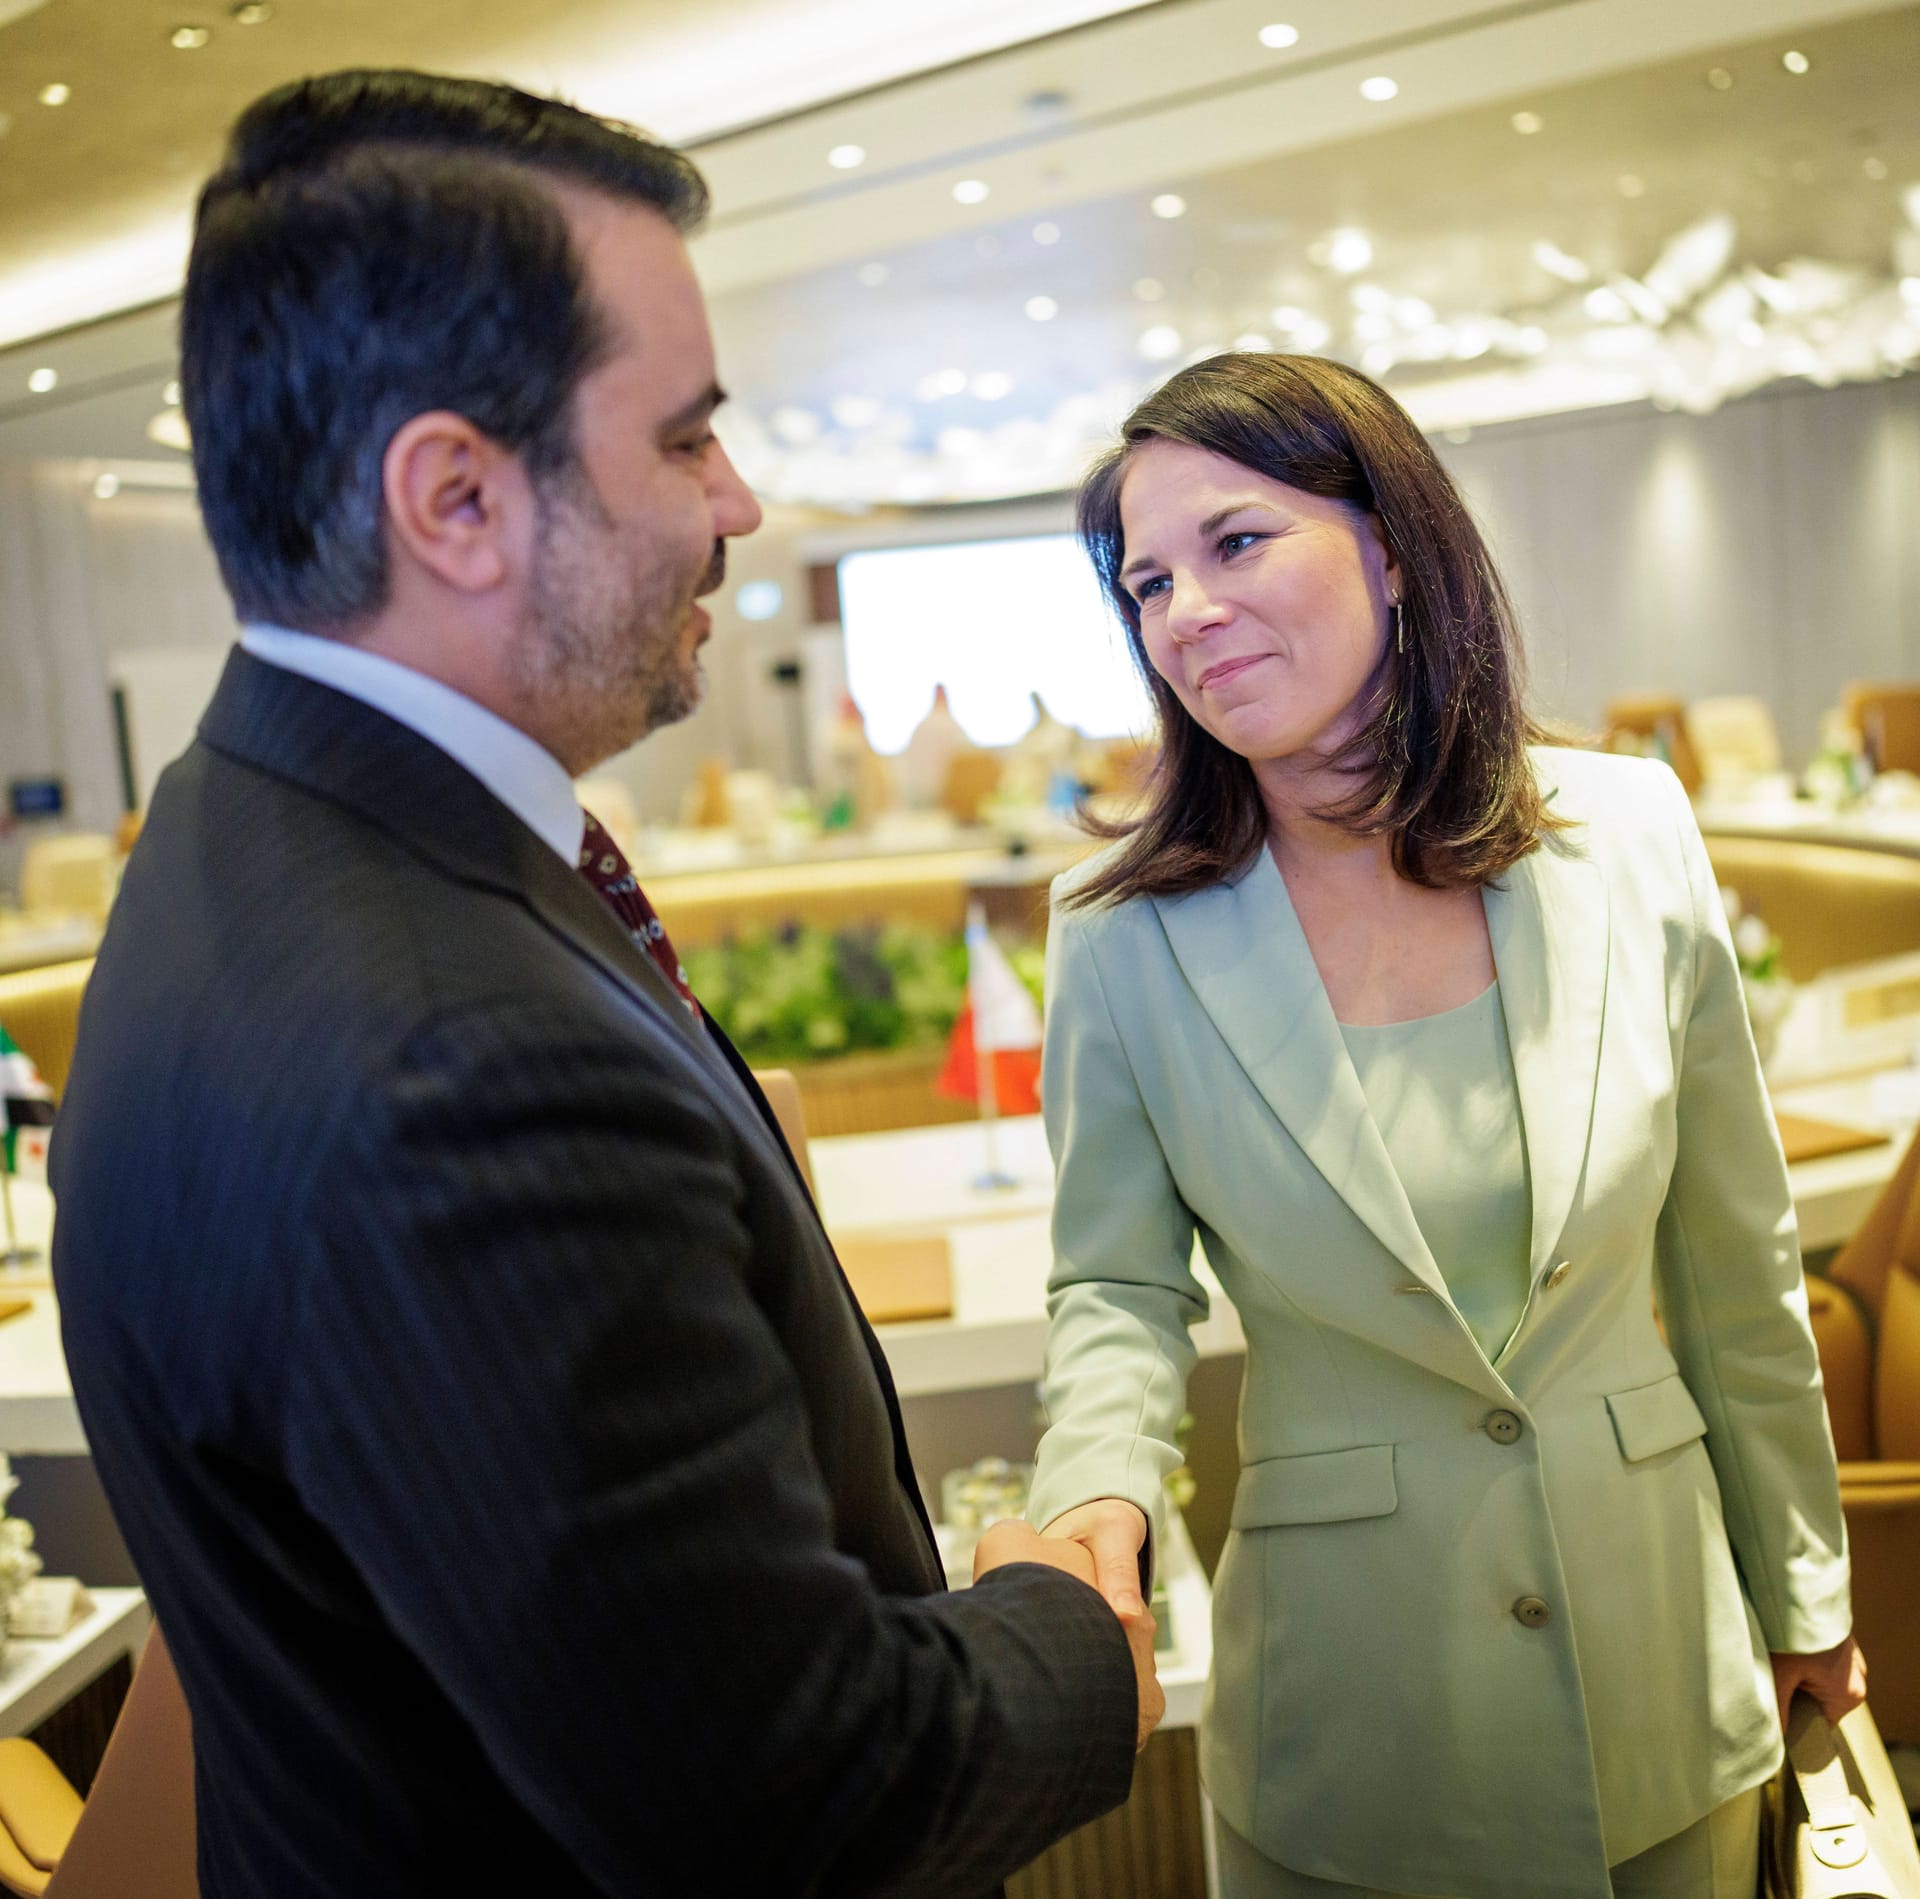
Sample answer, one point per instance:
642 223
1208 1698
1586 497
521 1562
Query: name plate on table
1849 1021
896 1279
1806 1139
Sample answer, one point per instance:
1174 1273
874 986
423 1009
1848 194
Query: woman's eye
1149 588
1236 543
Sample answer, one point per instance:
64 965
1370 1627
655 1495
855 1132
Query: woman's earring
1399 627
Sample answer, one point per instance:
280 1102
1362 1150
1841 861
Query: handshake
1100 1542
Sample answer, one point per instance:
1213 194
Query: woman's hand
1836 1678
1113 1532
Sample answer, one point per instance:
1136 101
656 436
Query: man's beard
602 644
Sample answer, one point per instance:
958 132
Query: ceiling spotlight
847 157
188 39
1379 89
1558 263
106 486
170 395
1160 344
1910 289
1279 36
42 380
1349 251
1607 306
971 191
1046 233
1630 185
874 275
1149 289
1169 204
56 94
758 599
1042 309
1719 79
1796 62
169 429
251 13
991 385
1528 123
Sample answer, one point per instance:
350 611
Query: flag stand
14 1254
996 1179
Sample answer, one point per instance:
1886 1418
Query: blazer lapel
1242 949
1549 926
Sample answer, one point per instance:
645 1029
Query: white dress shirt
519 771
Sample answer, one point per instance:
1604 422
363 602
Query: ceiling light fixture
169 429
188 39
56 94
1042 309
1160 344
1169 204
1558 263
170 395
1379 89
251 13
847 157
42 380
1279 36
1046 233
1796 62
971 191
1349 251
106 486
1528 123
1719 79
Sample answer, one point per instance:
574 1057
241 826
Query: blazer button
1532 1612
1503 1427
1559 1273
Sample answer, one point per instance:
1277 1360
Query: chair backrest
1890 1232
1846 1368
1887 718
1663 719
41 1011
69 876
136 1837
1734 736
1831 905
1896 1370
783 1097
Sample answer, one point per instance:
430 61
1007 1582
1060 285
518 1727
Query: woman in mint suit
1434 1036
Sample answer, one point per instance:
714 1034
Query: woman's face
1266 609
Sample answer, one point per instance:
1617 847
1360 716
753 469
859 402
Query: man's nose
736 509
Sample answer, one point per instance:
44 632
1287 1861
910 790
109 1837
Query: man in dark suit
522 1492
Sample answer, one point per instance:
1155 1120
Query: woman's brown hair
1440 766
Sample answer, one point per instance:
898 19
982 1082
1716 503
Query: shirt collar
518 770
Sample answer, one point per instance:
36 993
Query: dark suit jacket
522 1492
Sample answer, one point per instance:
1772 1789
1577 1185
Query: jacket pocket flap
1326 1487
1655 1418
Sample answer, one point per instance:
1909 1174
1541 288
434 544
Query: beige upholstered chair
134 1836
1830 904
73 875
1887 717
783 1097
1734 738
41 1011
1660 718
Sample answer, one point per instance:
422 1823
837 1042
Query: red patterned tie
604 865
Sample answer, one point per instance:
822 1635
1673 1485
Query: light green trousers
1716 1858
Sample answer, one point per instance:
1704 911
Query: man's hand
1836 1678
1012 1541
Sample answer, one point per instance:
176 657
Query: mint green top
1442 1092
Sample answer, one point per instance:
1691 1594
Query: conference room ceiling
1690 213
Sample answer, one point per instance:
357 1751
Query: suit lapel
1549 925
1241 947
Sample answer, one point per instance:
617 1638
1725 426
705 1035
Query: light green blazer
1383 1711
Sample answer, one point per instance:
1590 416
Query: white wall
1771 548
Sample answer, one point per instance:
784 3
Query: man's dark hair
377 245
1440 767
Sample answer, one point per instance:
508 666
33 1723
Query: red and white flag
999 1023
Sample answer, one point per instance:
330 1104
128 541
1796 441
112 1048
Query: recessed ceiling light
1719 79
1279 36
1379 89
169 429
1042 309
970 191
1349 251
56 94
1630 185
170 395
1149 289
1606 305
188 39
106 486
758 599
991 385
1169 204
874 275
1796 62
251 13
847 157
1558 263
42 380
1160 344
1046 233
1528 123
1910 289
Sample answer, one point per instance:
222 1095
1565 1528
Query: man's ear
459 506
